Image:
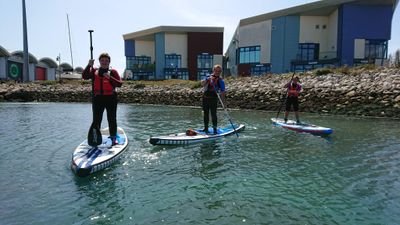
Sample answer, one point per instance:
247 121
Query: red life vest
102 86
292 90
210 89
212 86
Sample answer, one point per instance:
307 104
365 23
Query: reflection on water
268 175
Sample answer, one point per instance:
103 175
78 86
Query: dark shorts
292 101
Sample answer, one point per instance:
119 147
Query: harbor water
269 175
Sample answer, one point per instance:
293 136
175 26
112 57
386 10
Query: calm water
267 176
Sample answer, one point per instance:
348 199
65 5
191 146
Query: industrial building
11 68
11 65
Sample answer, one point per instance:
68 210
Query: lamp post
59 69
25 73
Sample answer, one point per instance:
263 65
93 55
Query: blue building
310 36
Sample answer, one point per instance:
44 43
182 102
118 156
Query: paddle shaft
283 102
91 46
94 134
225 110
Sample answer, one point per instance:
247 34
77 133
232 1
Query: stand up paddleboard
302 127
194 136
87 159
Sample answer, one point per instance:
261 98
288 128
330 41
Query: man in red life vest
212 84
293 90
105 80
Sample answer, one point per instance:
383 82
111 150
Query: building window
136 62
249 54
308 52
375 49
141 67
173 61
204 65
260 69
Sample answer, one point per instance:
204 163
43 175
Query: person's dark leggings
210 105
108 102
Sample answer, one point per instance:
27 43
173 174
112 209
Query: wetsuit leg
206 110
213 108
98 109
111 107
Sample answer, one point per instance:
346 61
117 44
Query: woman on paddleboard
293 91
105 80
212 85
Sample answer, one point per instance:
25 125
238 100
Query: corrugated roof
49 62
20 54
3 52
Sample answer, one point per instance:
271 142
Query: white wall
257 34
359 48
326 37
333 31
177 44
3 68
309 33
146 48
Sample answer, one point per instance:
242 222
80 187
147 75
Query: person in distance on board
293 91
211 85
105 80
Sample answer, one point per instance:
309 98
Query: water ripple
268 175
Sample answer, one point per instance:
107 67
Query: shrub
139 86
195 85
324 71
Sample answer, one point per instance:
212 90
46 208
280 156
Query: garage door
40 73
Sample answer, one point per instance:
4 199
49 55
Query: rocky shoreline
365 92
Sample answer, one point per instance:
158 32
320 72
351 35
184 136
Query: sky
47 23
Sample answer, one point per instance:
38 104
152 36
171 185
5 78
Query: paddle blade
94 136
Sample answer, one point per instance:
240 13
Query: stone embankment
362 93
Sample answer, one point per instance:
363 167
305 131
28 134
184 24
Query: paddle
284 101
94 134
226 111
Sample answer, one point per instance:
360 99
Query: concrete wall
257 34
177 44
314 29
333 33
145 48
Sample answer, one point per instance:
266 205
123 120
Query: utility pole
59 68
25 73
